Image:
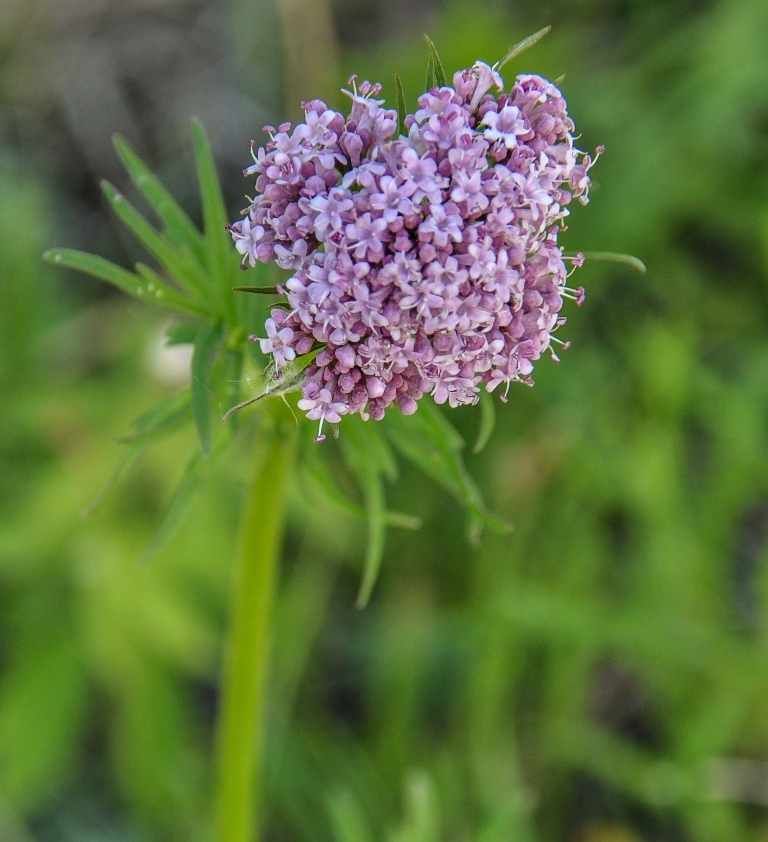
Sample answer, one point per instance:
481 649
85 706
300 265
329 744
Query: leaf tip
110 191
363 597
524 45
198 129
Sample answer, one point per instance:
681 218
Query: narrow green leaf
178 226
250 308
368 465
371 446
437 64
124 280
487 420
217 241
319 477
402 111
523 45
430 442
258 290
431 80
159 290
178 264
205 345
614 257
441 428
373 490
178 508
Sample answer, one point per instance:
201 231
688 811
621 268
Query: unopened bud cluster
425 263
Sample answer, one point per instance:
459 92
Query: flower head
424 264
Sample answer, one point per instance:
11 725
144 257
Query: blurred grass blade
178 508
615 257
163 295
178 265
160 419
178 226
233 374
431 80
205 345
218 242
181 333
43 713
436 63
164 419
524 45
347 819
421 822
487 420
402 111
124 463
402 520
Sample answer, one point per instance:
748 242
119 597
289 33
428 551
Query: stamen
578 295
320 437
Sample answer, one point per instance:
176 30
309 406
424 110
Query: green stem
240 726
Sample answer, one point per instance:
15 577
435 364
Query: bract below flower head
425 264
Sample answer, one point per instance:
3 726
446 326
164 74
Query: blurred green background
598 675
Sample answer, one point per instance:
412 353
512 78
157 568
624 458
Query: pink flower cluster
425 263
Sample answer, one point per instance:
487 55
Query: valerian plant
424 260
